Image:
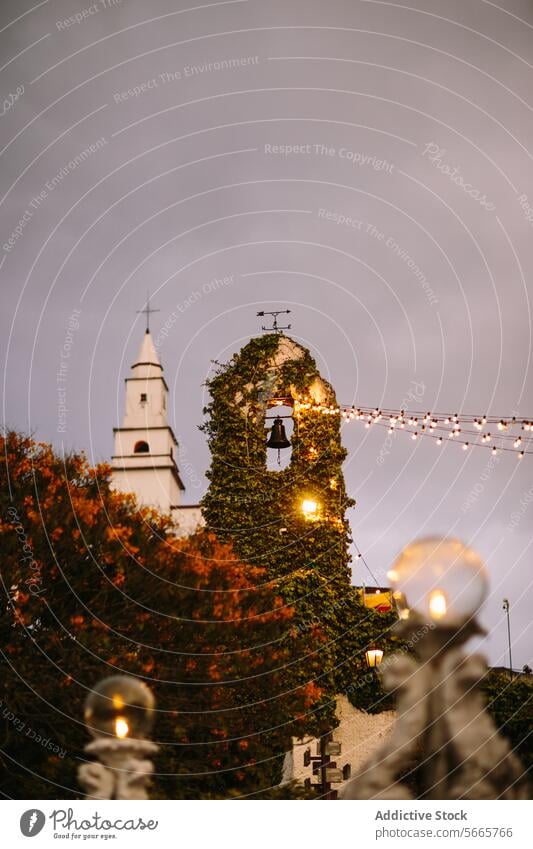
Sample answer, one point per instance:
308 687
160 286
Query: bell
278 437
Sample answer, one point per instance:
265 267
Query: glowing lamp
309 508
120 706
121 727
441 580
373 657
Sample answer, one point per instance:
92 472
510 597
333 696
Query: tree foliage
93 586
510 701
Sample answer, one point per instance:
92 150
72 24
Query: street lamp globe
120 706
440 579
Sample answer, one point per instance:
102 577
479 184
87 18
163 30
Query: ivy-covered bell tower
290 522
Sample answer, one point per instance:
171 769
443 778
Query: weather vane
147 311
275 327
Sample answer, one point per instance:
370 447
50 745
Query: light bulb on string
423 424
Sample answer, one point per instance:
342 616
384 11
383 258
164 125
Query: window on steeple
141 447
144 397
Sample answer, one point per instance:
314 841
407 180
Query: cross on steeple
147 311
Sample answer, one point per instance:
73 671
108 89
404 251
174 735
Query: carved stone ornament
122 770
444 744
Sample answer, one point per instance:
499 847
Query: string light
467 429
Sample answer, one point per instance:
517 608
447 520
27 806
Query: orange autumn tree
94 586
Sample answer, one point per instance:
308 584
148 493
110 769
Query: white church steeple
144 458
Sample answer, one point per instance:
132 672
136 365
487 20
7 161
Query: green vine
260 511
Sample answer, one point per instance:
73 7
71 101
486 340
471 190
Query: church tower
144 458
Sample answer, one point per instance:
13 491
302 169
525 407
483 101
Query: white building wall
140 412
151 487
188 519
159 440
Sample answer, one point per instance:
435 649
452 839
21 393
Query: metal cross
147 311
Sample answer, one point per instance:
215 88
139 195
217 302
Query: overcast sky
230 142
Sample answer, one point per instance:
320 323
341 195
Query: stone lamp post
444 745
119 715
